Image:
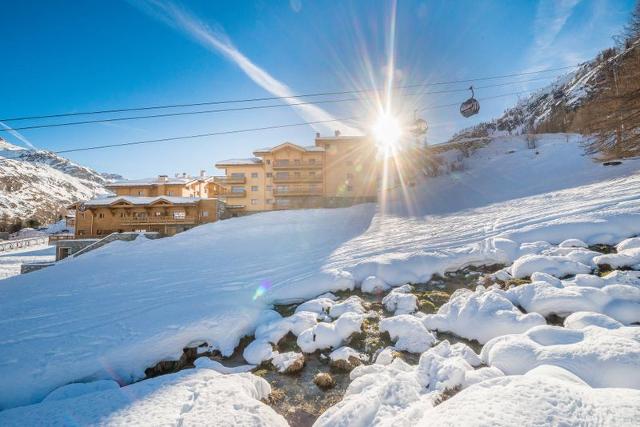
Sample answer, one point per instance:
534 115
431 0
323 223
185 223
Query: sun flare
387 131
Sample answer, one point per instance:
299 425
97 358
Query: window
237 189
268 161
254 201
100 215
269 187
269 174
158 213
237 175
179 215
123 215
312 161
254 174
139 193
254 188
282 162
204 214
169 193
296 161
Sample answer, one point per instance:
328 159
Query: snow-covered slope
122 308
38 183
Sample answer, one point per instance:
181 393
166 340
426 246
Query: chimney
163 178
337 133
203 173
317 135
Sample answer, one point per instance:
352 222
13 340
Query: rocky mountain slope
39 184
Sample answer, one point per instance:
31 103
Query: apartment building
336 171
163 185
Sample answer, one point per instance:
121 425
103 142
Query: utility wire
254 107
271 98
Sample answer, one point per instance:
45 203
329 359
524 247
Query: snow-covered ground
10 262
120 309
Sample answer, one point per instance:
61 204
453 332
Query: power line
271 98
254 107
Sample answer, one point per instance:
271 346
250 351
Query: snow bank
557 266
409 332
600 357
401 301
191 397
624 258
78 389
615 277
206 363
393 393
582 319
481 315
547 395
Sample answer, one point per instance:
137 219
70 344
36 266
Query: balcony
236 194
157 220
297 190
301 165
287 179
229 180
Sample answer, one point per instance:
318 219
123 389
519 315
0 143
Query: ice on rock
555 265
547 395
409 332
624 258
258 351
330 335
396 393
622 302
481 315
573 243
353 304
78 389
189 397
401 301
582 319
374 285
600 357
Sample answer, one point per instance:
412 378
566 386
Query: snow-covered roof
236 162
311 148
142 201
341 137
151 181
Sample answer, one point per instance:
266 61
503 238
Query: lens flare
262 289
387 132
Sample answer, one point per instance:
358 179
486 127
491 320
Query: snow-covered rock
258 351
288 362
544 277
320 305
353 304
555 265
374 285
573 243
190 397
409 333
622 302
624 258
600 357
582 319
346 358
481 315
626 244
206 363
547 395
275 330
330 335
615 277
401 301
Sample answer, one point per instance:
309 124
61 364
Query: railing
12 245
242 193
56 237
285 179
297 191
151 220
302 165
228 180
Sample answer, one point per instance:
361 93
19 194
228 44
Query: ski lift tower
419 130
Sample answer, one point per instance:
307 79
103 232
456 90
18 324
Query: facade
179 186
336 171
166 215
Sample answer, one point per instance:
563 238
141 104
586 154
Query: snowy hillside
114 312
38 183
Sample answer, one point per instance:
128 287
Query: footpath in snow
112 313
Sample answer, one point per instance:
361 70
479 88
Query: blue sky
66 56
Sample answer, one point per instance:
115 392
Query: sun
387 132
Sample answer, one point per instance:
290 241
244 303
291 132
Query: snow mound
206 363
191 397
401 301
330 335
624 258
374 285
258 351
78 389
389 394
284 361
409 332
547 395
275 330
481 315
626 244
615 277
345 353
600 357
573 243
582 319
353 304
622 302
555 265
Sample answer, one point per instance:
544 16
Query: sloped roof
236 162
142 201
151 181
311 148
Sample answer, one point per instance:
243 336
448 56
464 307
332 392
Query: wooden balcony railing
301 165
237 194
286 179
228 180
297 191
157 220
